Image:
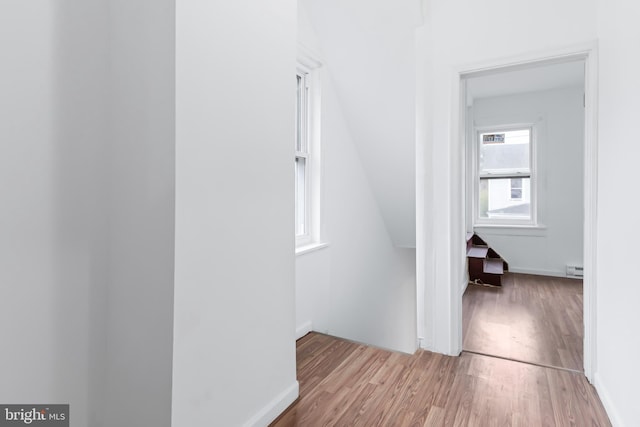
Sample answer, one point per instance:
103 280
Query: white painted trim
304 329
424 217
464 286
607 402
368 344
311 248
458 178
274 408
585 52
305 153
308 57
590 212
537 272
309 66
510 230
533 128
576 52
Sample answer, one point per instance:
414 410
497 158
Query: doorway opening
516 200
524 198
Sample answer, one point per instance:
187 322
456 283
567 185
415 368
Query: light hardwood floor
535 319
347 384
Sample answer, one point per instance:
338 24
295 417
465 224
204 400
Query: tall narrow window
505 177
303 160
307 167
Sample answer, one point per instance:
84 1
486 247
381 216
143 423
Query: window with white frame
505 178
303 157
307 159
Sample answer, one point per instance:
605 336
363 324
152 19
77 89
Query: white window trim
306 154
301 250
477 220
311 239
538 230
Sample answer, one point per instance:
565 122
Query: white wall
559 119
234 344
313 291
359 287
369 45
140 160
618 208
52 130
453 41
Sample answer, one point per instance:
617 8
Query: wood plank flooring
347 384
535 319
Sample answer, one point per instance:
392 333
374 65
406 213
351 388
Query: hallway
346 383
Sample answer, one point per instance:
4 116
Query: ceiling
532 79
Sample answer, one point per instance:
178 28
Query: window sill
511 229
312 247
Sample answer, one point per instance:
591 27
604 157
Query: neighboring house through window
516 188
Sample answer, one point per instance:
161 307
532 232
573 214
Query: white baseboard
605 398
425 344
537 272
303 329
275 407
464 286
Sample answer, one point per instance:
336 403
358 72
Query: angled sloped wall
361 286
370 46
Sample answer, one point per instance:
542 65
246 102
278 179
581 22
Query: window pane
496 199
300 196
504 152
299 93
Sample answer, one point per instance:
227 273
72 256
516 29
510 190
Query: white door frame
588 53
